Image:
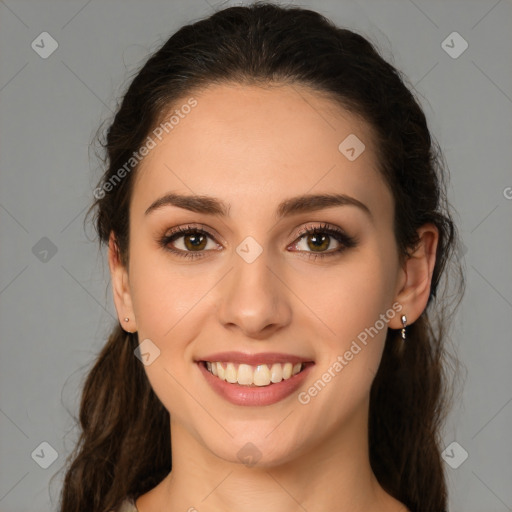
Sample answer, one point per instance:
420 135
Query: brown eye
319 239
318 242
187 242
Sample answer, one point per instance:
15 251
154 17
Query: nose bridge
253 297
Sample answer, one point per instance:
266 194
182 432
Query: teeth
276 373
231 373
247 375
261 376
221 373
244 375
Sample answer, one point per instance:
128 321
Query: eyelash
339 235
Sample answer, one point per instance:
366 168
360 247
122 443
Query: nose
254 299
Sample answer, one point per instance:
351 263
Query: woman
277 229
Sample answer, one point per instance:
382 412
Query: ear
120 286
416 277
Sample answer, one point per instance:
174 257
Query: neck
334 475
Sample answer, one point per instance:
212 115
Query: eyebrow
301 204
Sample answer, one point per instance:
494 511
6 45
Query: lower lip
257 395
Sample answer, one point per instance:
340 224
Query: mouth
259 375
254 379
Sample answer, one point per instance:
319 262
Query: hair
124 445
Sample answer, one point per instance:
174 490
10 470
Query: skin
253 147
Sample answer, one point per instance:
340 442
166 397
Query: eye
193 241
320 238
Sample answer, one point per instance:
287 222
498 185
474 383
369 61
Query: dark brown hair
124 445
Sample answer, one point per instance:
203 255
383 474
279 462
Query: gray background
56 309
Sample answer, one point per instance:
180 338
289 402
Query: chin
260 449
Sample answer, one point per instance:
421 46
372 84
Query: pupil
318 240
195 240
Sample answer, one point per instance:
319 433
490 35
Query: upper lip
254 359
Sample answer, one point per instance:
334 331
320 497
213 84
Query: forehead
255 146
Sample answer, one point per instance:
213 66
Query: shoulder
128 505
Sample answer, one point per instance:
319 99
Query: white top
128 505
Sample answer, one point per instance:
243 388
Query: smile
255 384
253 375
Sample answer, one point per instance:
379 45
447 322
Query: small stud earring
126 319
404 323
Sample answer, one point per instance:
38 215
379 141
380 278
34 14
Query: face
254 281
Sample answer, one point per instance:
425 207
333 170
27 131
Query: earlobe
416 276
120 287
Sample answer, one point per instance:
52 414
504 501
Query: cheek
351 350
354 304
349 297
163 302
161 295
